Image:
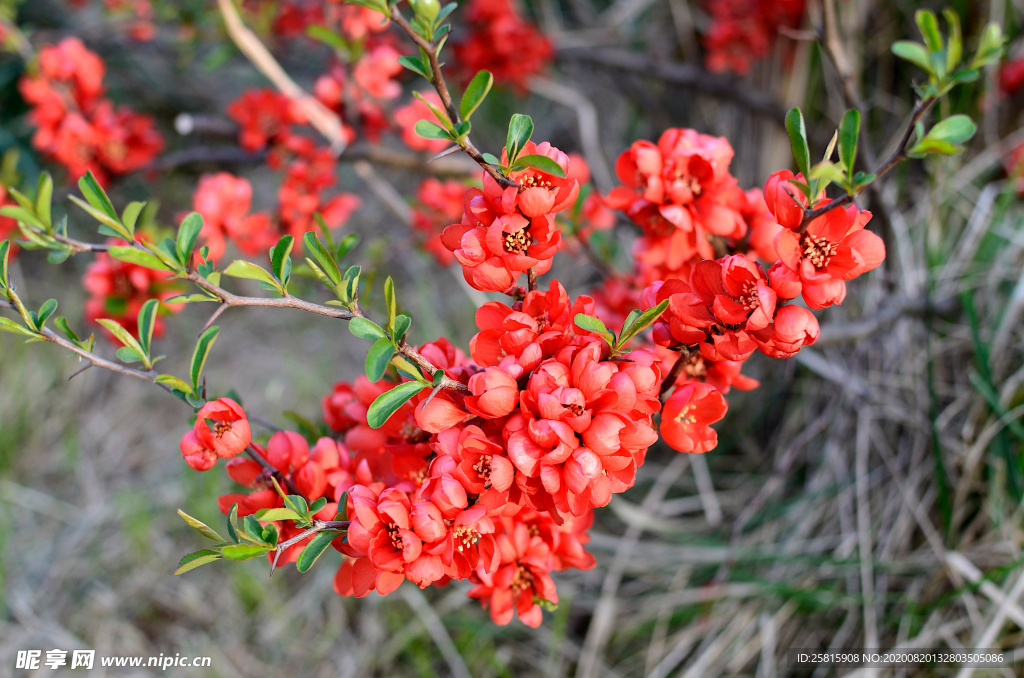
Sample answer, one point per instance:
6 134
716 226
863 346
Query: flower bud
426 10
782 196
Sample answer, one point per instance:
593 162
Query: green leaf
122 335
431 130
416 65
492 159
196 559
641 322
318 505
829 171
389 299
199 356
990 47
249 270
280 259
43 198
269 534
244 551
297 502
253 528
328 37
174 382
542 163
131 213
350 289
366 329
136 256
389 402
590 323
7 325
201 527
129 355
232 517
5 254
402 324
915 53
188 235
377 359
62 323
326 262
347 244
45 311
59 256
798 140
520 129
22 215
96 196
316 546
849 131
277 514
475 92
955 51
147 321
955 129
928 24
437 377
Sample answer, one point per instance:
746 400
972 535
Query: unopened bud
426 10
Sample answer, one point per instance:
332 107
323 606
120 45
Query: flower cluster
503 43
224 201
743 31
438 204
507 231
221 431
75 124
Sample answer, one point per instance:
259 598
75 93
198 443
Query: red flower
521 579
287 451
835 248
1011 75
244 471
195 454
264 116
495 393
784 200
224 201
229 434
686 418
438 204
502 42
793 328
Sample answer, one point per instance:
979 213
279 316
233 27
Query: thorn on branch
81 369
213 318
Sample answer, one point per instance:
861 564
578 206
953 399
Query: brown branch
48 335
531 278
673 375
446 98
233 300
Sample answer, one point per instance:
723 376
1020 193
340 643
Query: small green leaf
249 270
45 311
475 92
62 323
347 244
378 358
277 514
402 324
297 502
5 253
280 259
201 527
122 335
175 383
542 163
131 213
829 171
392 304
955 129
7 325
147 322
437 378
133 255
520 129
416 65
328 37
928 24
431 130
589 323
641 322
318 505
316 546
366 329
199 356
492 159
798 140
990 46
188 235
389 402
244 551
955 50
326 262
196 559
23 216
849 131
129 355
915 53
96 196
43 198
253 528
232 518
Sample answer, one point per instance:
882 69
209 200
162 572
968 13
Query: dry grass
864 496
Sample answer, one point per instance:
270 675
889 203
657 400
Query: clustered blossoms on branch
441 466
75 124
744 31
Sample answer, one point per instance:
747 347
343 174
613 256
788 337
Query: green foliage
389 402
199 356
520 129
475 93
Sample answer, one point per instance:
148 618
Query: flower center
396 536
122 286
533 530
116 149
220 428
419 476
464 537
521 581
818 250
749 296
516 243
530 181
576 409
685 415
483 468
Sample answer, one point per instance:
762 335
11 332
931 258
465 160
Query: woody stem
677 369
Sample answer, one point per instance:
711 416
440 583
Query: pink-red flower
221 426
687 416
